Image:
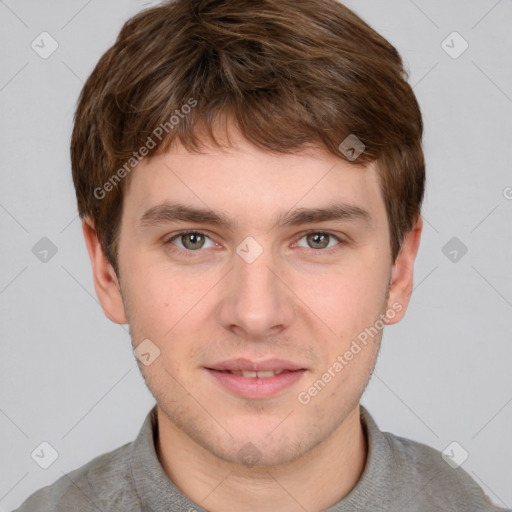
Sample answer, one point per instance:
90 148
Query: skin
299 301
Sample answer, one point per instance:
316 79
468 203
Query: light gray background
68 375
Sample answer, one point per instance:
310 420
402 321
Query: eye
320 240
190 241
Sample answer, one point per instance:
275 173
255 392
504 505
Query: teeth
260 375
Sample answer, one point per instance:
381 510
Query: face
287 273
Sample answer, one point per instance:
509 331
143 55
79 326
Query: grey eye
190 241
319 240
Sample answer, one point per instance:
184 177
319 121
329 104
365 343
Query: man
250 176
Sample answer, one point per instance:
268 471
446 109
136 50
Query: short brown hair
288 73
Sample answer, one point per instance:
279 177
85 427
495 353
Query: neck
314 482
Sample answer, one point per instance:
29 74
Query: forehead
246 181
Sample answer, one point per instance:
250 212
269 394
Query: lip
256 387
246 365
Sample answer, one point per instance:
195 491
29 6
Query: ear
401 285
106 284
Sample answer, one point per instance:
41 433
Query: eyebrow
174 212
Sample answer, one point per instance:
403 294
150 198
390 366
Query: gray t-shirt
399 475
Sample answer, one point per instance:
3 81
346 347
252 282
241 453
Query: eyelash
189 253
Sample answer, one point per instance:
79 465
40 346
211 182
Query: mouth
256 380
265 374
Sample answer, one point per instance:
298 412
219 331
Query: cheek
348 299
159 298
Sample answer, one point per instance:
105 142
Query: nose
255 300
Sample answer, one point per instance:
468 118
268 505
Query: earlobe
402 274
106 283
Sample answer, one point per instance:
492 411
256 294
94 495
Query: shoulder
105 483
430 478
